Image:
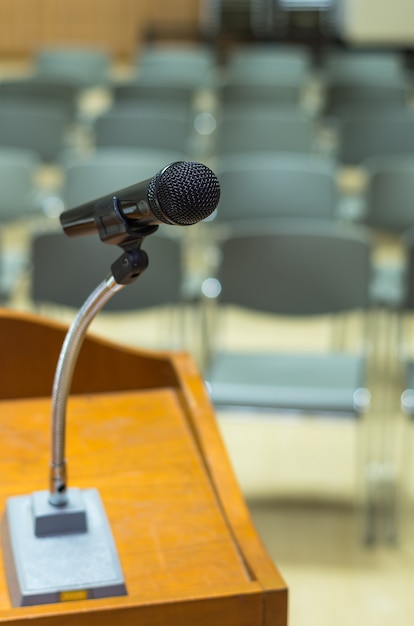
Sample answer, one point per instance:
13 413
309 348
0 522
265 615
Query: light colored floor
333 579
299 479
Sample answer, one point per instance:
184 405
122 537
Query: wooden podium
142 431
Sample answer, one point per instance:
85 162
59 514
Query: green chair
162 127
265 128
111 169
257 186
86 67
37 127
299 269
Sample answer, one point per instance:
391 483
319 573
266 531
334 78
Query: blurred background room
295 297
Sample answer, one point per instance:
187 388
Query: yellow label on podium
70 596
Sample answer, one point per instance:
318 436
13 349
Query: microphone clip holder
130 265
115 228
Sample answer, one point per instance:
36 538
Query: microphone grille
184 193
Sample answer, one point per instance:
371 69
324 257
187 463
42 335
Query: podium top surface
188 549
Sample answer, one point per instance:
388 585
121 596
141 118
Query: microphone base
73 558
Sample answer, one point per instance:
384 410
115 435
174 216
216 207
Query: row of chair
248 105
265 185
286 70
279 62
256 128
44 129
254 186
196 64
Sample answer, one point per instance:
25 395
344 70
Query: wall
379 22
117 25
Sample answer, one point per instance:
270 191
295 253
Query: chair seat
294 382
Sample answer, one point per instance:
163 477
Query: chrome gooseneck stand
57 543
61 386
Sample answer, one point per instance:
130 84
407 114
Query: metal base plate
59 567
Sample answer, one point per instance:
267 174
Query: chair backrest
348 99
256 186
33 126
66 270
109 170
273 64
389 193
276 95
41 90
298 268
18 169
365 67
261 129
85 66
371 135
174 55
183 65
162 127
139 91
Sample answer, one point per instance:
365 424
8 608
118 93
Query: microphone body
84 219
183 193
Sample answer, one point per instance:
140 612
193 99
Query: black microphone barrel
78 221
82 220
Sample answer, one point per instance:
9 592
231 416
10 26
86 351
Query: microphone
182 193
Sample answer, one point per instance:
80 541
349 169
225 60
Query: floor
299 480
332 578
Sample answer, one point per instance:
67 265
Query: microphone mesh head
184 193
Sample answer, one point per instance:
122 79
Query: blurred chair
389 192
299 268
66 270
401 464
276 64
181 65
262 128
344 99
365 67
388 210
406 309
163 127
18 170
388 200
371 135
259 92
139 92
33 126
304 269
19 199
38 90
363 82
108 170
257 186
269 74
86 67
